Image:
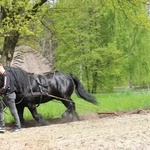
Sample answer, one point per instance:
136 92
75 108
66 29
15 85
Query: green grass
119 101
124 101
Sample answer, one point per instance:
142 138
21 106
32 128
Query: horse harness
40 85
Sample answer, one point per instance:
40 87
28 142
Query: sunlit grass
125 100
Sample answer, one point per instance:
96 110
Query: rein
59 98
20 100
43 94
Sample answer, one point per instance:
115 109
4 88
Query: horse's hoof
65 115
44 124
75 119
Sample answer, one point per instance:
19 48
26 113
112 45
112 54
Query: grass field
124 100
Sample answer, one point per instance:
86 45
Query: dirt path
125 132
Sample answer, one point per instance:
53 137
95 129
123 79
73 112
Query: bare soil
101 131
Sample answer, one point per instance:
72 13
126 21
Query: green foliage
101 40
21 16
85 44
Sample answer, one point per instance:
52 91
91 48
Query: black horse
34 89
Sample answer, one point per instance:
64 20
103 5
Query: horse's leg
68 111
20 110
36 116
70 105
75 116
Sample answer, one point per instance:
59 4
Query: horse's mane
20 78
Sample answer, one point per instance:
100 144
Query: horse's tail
81 92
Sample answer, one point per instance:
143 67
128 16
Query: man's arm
6 84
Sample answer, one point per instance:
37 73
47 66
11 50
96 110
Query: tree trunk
87 78
9 46
94 87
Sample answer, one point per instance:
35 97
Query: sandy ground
93 132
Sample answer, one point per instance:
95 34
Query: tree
16 18
131 37
93 42
85 44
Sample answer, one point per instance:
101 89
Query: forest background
104 43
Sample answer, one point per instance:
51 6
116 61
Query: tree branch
35 9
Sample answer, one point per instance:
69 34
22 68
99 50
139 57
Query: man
8 92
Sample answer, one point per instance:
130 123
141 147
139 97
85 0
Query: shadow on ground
91 116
